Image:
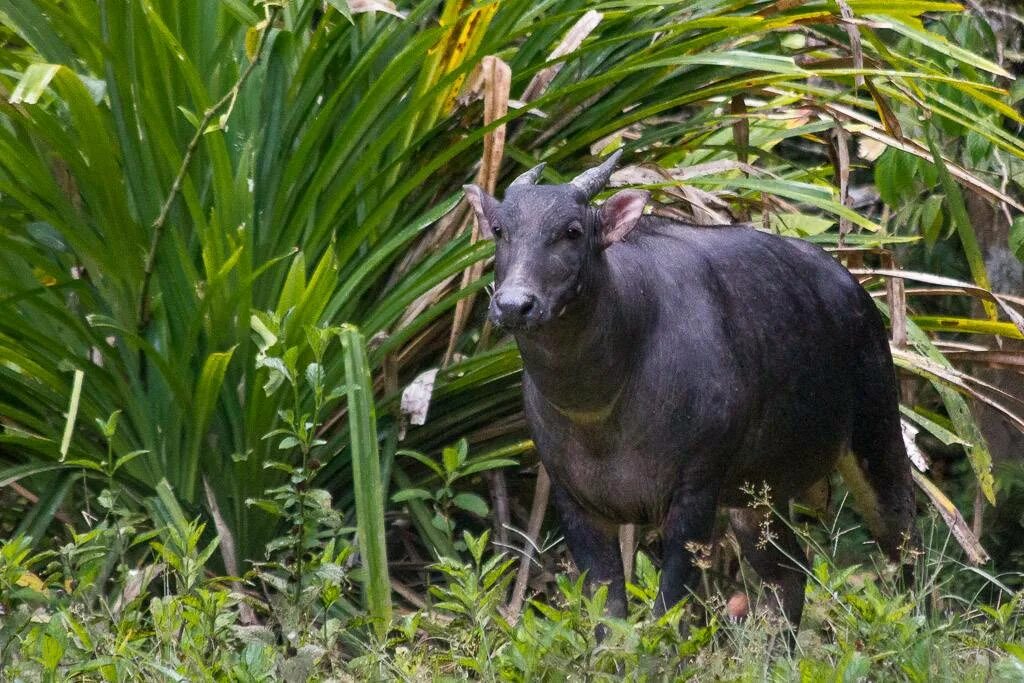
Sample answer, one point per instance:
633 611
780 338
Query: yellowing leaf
954 520
30 580
44 278
799 224
460 41
252 39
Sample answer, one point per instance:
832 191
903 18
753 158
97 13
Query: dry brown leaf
874 130
780 6
954 520
992 357
227 540
892 124
896 295
136 581
227 549
583 27
854 33
741 140
496 77
740 127
959 380
706 207
956 286
711 168
840 144
541 494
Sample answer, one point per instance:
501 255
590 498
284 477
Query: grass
166 617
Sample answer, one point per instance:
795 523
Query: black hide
667 370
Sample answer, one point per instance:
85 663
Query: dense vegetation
231 235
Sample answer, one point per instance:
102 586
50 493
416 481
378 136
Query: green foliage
169 618
307 555
369 493
446 500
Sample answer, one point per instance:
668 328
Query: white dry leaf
910 440
646 175
416 397
869 149
532 111
713 168
357 6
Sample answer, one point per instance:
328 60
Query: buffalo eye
574 231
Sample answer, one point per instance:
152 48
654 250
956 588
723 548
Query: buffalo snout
515 307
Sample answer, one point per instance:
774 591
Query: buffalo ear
484 206
620 213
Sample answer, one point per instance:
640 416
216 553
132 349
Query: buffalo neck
581 361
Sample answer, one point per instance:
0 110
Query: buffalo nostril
515 306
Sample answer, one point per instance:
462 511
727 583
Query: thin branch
409 594
541 494
627 548
499 499
33 498
227 100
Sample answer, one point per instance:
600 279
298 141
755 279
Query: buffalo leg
686 535
594 545
775 560
877 471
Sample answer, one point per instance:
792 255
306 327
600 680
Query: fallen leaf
416 397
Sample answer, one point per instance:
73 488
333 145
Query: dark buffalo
668 367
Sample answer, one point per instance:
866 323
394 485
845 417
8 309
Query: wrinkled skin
667 367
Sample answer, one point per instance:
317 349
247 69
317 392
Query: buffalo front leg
686 537
594 545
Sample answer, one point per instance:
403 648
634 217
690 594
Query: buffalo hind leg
877 474
882 493
594 546
774 552
877 470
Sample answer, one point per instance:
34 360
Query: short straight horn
530 177
593 181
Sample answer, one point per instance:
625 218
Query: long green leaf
367 482
962 220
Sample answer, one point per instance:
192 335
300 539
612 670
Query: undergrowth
135 593
73 614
